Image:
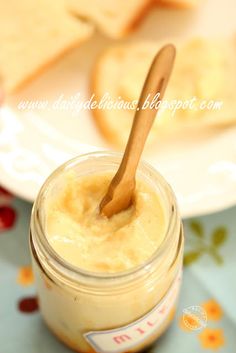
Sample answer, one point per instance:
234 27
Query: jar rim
74 272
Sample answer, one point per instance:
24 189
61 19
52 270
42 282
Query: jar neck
66 274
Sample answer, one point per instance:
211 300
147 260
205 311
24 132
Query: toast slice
182 4
115 18
34 34
204 68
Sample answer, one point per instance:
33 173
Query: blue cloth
209 276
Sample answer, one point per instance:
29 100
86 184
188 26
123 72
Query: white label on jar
124 338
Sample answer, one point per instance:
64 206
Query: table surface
209 287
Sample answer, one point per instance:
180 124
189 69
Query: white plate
202 171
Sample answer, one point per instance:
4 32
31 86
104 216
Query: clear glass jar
97 312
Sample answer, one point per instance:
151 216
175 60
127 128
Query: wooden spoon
121 190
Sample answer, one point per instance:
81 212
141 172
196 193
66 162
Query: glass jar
99 312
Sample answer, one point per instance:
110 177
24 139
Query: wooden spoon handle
155 83
121 189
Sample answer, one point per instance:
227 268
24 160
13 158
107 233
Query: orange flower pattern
212 338
213 310
25 276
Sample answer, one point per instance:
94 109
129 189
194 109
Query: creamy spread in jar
84 238
105 285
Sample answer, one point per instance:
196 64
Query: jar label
127 337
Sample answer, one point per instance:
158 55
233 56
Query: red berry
7 217
28 305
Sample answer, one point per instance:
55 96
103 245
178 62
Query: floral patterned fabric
206 315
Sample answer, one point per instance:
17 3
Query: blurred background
56 58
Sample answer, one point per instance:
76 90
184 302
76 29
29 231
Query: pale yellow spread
89 241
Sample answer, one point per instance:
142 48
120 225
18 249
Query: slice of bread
33 34
115 18
204 68
185 4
